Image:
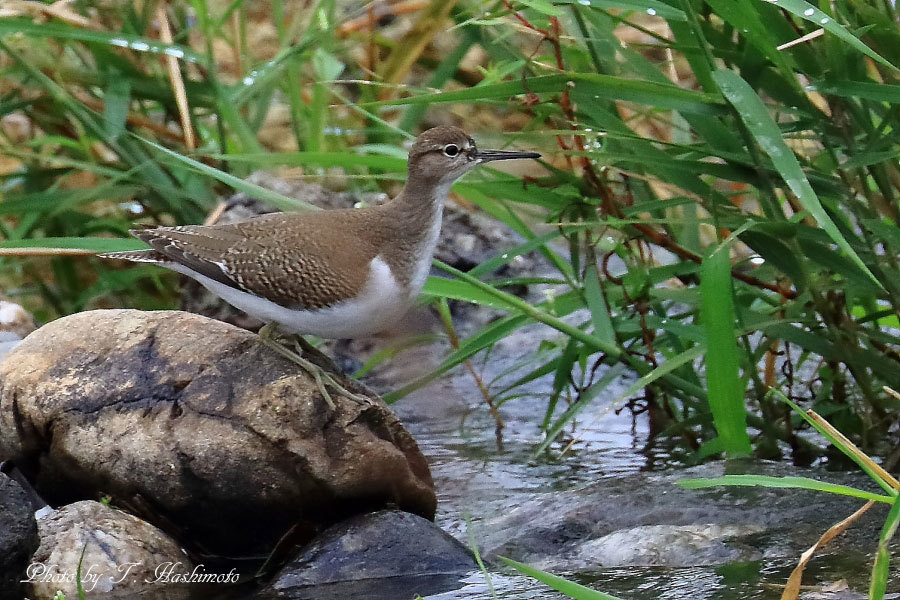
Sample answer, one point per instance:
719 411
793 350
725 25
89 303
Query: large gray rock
375 556
122 555
18 533
196 424
670 546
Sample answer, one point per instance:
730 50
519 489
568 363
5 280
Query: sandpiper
332 273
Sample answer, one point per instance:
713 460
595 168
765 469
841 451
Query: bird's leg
329 380
323 380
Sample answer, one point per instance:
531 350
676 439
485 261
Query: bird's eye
451 150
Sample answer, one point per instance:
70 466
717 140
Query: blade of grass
585 398
839 441
88 245
724 385
651 7
604 86
792 587
569 588
325 159
803 483
811 13
596 302
278 200
881 568
121 40
765 130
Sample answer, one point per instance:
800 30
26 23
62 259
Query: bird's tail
148 256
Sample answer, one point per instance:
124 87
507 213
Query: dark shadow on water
390 588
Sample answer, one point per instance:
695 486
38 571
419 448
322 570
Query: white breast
424 254
379 305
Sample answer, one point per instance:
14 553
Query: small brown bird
336 273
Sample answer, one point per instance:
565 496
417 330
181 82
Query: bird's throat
416 222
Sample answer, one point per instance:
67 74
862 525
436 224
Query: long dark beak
487 155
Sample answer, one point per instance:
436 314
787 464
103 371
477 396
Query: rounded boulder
201 429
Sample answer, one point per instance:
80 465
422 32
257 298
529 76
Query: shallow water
475 480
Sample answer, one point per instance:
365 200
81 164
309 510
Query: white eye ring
451 150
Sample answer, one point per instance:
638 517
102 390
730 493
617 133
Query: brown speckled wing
297 260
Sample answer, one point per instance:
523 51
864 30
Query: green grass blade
662 370
116 98
586 397
277 200
811 13
121 40
440 287
651 7
325 159
502 258
724 385
803 483
517 304
662 95
744 16
766 132
881 568
93 244
474 344
600 315
837 443
569 588
879 92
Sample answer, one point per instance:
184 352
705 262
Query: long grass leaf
803 483
89 244
881 568
325 159
585 398
724 385
886 481
760 123
278 200
650 7
569 588
121 40
661 371
604 86
811 13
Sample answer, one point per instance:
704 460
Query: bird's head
441 155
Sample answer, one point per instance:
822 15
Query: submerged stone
375 555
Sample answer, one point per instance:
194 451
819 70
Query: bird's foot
323 379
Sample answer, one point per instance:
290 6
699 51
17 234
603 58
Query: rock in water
18 535
198 424
121 554
385 554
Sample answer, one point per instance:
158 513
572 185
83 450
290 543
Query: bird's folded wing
293 269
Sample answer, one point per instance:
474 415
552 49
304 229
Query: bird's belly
381 303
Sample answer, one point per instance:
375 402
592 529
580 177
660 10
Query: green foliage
560 584
666 126
881 565
723 383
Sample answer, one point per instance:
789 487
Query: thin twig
181 101
444 313
378 12
809 36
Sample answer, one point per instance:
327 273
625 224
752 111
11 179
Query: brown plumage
312 260
281 257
